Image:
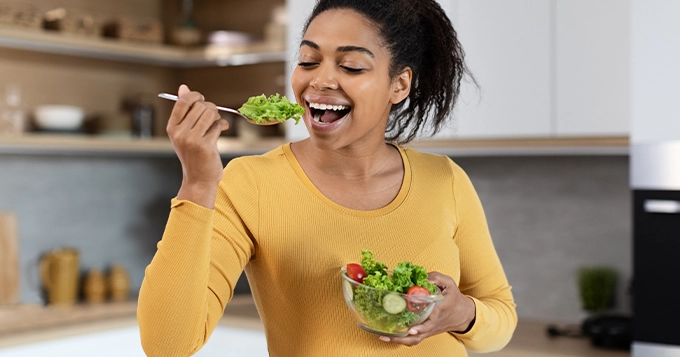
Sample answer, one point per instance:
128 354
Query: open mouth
325 113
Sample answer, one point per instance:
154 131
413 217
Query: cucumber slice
349 292
393 303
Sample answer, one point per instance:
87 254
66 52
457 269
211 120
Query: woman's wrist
199 193
470 313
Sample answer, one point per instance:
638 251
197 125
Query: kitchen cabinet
592 67
655 76
545 68
507 47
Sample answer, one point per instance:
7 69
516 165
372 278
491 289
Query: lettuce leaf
406 274
262 109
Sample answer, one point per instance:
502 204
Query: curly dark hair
419 35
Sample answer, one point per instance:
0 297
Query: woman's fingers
425 328
416 334
216 129
193 129
442 281
183 89
444 317
205 121
184 104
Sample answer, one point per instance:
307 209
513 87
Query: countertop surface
25 324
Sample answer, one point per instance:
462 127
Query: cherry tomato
356 272
415 305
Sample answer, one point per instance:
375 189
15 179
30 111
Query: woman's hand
193 128
455 313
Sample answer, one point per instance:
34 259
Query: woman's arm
482 277
201 256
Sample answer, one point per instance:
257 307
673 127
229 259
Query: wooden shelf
161 55
81 145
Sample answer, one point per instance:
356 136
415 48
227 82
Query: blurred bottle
275 30
186 33
118 283
143 117
12 117
94 287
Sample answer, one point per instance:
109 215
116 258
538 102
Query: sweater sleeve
482 277
196 266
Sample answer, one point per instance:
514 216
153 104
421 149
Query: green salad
261 109
383 308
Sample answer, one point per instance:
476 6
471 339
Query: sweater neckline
394 204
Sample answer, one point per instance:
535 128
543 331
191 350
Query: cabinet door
507 46
298 12
655 76
592 55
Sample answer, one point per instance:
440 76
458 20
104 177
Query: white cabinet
592 67
298 12
507 46
655 71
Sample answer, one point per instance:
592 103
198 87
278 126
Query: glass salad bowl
386 313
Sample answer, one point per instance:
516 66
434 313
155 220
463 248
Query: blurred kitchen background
566 89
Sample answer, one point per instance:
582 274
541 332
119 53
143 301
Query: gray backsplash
548 216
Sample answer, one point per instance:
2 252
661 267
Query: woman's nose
324 79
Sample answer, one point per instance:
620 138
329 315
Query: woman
292 217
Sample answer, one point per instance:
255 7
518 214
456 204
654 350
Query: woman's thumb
183 89
439 279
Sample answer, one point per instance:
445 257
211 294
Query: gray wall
548 216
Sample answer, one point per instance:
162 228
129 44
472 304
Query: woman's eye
307 64
352 69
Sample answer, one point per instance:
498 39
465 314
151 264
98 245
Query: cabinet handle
662 206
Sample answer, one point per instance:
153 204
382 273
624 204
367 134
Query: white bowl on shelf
59 117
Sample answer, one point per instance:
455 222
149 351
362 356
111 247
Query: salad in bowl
388 302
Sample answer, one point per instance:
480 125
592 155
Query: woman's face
342 79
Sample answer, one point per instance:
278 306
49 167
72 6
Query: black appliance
655 181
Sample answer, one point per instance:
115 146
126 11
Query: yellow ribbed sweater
271 220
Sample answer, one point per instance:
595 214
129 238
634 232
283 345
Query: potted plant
597 289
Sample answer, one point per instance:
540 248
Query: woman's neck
350 163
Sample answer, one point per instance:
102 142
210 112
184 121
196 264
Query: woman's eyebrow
339 49
354 49
310 44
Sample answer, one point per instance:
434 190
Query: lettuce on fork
262 109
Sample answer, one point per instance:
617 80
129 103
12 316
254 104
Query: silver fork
224 109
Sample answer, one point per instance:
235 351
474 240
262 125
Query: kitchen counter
530 340
29 324
22 324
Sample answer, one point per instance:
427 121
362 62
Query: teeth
327 106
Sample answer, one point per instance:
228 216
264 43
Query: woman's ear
401 86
